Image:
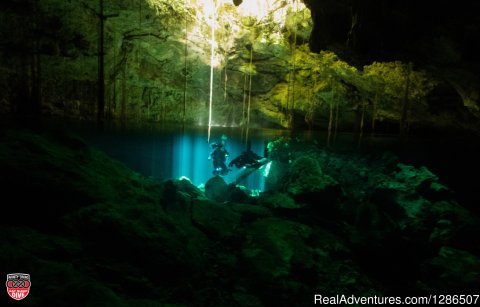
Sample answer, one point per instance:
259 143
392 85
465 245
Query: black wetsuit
219 156
247 159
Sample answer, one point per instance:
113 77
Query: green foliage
249 69
327 81
299 23
392 78
334 66
327 96
172 9
323 74
325 63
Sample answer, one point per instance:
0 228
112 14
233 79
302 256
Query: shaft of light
212 59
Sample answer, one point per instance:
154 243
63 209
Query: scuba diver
219 156
248 159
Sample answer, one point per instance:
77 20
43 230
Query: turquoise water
172 153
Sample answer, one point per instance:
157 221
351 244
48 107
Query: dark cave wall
443 32
440 37
48 62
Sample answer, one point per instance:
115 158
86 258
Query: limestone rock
452 269
216 220
216 189
306 182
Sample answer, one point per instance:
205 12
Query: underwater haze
173 153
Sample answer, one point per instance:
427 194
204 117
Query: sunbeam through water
172 155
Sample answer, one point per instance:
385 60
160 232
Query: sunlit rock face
158 58
401 30
440 38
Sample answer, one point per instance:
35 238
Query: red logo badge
18 285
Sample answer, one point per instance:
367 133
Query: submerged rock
272 199
307 184
216 189
451 270
216 220
96 233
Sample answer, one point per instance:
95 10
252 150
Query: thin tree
101 64
249 92
330 118
405 105
362 120
374 112
101 68
185 72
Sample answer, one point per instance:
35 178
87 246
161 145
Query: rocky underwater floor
91 232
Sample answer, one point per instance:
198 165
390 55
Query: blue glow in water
190 159
172 154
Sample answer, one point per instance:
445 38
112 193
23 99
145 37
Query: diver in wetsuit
248 159
219 156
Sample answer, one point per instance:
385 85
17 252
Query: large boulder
307 184
216 220
297 258
452 270
216 189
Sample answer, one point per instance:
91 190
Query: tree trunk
374 113
35 79
185 73
330 121
362 118
404 116
101 70
249 95
123 103
336 123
